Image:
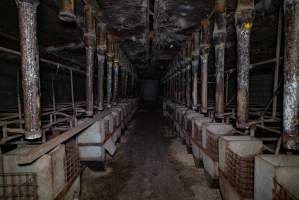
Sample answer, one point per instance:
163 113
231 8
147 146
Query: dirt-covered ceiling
133 21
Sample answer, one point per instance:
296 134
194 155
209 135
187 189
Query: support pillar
244 18
176 87
101 49
90 40
30 67
181 83
188 73
204 54
109 71
126 83
277 63
195 63
184 83
115 90
122 75
291 71
132 84
219 37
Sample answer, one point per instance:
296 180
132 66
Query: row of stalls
235 162
56 174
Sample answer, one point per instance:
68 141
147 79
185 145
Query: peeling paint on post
195 63
243 19
219 36
90 40
291 70
204 54
101 49
30 67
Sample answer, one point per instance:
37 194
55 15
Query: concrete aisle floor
149 164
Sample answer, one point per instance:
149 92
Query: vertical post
181 83
30 67
226 88
244 18
204 54
89 39
115 68
109 71
277 63
101 49
195 63
122 77
176 86
184 83
126 83
173 86
219 36
132 83
291 69
72 93
19 101
53 98
188 73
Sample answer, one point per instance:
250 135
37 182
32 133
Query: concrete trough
276 177
44 179
211 132
172 109
180 121
176 118
124 109
236 166
189 118
196 141
121 109
96 139
164 107
116 113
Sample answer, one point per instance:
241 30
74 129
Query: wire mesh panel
280 193
71 164
18 186
240 173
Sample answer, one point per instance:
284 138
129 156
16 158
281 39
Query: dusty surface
150 164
